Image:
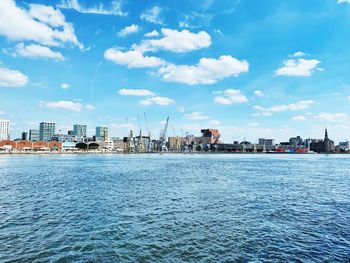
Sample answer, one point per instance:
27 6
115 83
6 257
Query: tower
327 145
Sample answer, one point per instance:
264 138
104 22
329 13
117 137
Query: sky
250 68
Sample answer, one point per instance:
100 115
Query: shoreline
160 153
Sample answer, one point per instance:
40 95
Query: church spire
326 135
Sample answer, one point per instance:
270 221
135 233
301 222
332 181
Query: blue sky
250 68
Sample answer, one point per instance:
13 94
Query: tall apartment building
46 131
4 130
101 133
34 135
79 131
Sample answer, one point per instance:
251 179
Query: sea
175 208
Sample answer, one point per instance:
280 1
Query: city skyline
276 70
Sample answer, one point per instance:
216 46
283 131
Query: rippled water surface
175 208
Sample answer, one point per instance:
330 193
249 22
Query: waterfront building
79 131
4 130
344 146
63 138
210 136
266 142
175 143
24 136
34 135
46 131
323 146
70 132
101 133
295 141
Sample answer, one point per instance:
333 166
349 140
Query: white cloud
343 1
90 107
153 15
132 29
299 54
65 86
64 105
162 101
12 78
332 117
176 41
207 71
299 118
136 92
195 116
132 58
153 33
213 123
300 105
259 93
100 9
231 96
36 51
298 68
41 24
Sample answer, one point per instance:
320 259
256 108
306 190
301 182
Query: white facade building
4 130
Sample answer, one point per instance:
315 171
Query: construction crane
162 138
140 144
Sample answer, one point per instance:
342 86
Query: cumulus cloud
12 78
41 24
196 115
132 58
153 33
63 105
298 67
132 29
231 96
343 1
36 51
153 15
114 9
162 101
259 93
207 71
136 92
300 105
332 117
299 118
176 41
65 86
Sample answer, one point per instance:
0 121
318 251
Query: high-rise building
4 130
24 136
101 133
46 131
79 131
34 135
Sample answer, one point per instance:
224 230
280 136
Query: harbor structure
46 131
4 129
